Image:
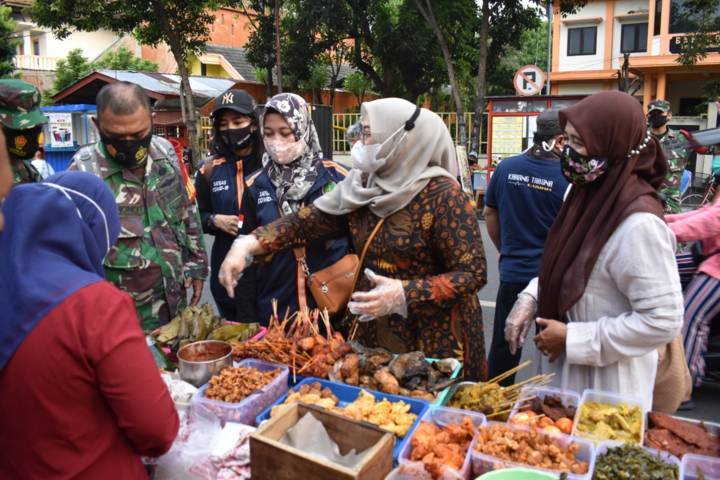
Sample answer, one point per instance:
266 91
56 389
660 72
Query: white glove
236 261
518 322
386 298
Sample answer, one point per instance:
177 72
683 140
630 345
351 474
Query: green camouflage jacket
161 241
677 150
25 172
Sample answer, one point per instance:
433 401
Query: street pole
548 12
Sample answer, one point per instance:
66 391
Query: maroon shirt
82 396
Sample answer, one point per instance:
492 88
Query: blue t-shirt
528 193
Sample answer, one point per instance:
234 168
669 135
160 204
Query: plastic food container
612 399
517 474
669 458
692 465
569 398
247 409
482 463
442 416
347 394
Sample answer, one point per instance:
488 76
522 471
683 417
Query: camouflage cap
659 104
20 105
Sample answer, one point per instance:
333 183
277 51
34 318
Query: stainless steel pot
201 360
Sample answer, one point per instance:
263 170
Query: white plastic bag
193 444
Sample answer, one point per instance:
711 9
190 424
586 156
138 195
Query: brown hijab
611 124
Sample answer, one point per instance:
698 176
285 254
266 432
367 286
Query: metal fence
341 122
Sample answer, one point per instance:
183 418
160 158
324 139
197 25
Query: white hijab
416 156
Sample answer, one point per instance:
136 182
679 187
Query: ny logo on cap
228 98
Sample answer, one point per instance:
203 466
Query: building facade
589 50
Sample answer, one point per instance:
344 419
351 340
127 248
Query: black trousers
500 359
225 304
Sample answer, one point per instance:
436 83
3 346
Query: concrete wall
580 88
92 44
623 7
584 62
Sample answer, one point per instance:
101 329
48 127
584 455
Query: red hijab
611 125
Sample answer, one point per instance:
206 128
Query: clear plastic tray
711 427
569 398
602 447
692 464
442 416
612 399
482 463
247 409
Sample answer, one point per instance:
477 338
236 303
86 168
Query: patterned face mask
581 169
284 153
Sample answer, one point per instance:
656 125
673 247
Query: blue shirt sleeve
491 195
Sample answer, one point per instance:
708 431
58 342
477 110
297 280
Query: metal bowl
201 360
455 388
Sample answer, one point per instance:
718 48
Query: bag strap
364 251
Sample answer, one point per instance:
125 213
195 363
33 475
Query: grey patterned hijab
294 180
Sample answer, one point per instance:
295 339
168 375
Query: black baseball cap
236 100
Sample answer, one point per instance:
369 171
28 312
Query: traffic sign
529 80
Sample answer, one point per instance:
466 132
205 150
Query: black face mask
128 153
235 138
657 121
23 144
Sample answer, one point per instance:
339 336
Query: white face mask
365 157
67 191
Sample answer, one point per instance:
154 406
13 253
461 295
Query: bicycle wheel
692 201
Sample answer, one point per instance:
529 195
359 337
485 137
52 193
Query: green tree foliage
317 80
261 43
357 84
531 50
181 24
71 69
8 43
124 59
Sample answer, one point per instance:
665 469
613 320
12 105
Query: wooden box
272 460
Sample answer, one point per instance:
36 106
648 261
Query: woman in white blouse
608 294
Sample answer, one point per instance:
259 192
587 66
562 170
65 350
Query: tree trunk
426 10
269 83
187 107
481 86
278 62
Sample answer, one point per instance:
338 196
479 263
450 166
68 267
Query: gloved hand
236 261
518 322
386 298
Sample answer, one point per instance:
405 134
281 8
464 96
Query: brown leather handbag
332 286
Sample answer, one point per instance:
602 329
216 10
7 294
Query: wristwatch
211 220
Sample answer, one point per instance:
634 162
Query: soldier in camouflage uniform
677 147
22 122
161 250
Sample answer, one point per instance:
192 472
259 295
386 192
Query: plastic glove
236 261
386 298
518 322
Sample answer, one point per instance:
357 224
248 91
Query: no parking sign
529 80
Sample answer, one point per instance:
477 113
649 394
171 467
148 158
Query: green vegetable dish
632 462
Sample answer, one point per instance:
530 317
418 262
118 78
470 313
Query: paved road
706 398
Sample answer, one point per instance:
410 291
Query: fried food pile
679 437
547 413
394 417
440 448
604 421
312 394
297 342
234 384
408 374
631 461
530 448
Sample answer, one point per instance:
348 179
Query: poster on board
507 136
60 128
